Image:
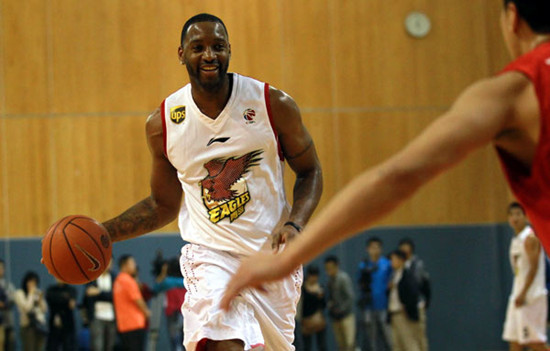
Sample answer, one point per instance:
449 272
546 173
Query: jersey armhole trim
164 136
270 114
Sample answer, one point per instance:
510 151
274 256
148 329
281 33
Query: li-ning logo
249 115
177 114
93 260
224 189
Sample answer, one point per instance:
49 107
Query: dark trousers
59 339
133 340
320 337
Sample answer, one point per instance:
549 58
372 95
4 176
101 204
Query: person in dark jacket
100 313
340 304
313 305
417 268
61 299
403 306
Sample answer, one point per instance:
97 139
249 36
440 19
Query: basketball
76 249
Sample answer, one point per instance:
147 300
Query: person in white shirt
32 313
403 306
525 324
100 312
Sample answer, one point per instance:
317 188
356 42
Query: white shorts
258 319
526 324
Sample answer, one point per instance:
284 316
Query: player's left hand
283 236
253 272
520 300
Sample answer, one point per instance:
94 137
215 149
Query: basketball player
525 324
220 142
510 110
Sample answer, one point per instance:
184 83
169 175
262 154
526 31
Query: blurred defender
511 111
525 324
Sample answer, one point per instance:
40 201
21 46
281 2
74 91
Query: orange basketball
76 249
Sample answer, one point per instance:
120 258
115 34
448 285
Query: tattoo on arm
139 219
306 149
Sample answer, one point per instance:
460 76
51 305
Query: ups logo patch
177 114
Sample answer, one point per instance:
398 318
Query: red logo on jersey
249 115
224 190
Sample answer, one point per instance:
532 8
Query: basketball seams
63 245
72 252
52 232
91 237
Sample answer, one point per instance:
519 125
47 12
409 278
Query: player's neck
532 41
211 102
520 230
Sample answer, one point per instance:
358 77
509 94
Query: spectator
403 306
374 279
3 302
340 304
416 266
6 313
32 313
100 312
130 308
61 300
313 305
170 281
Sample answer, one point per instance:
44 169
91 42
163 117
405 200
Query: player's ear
180 54
512 17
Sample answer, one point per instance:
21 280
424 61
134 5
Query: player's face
206 53
374 250
517 219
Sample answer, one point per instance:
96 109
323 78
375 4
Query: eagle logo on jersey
224 189
177 114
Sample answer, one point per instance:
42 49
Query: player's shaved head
201 17
535 13
515 205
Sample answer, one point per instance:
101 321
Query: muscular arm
162 206
299 151
532 248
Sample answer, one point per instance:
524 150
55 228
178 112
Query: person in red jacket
510 111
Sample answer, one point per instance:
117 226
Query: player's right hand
253 272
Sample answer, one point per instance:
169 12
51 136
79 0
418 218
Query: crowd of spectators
384 309
114 314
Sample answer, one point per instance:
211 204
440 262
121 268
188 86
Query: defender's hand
283 236
253 272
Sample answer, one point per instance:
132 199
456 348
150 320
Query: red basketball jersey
531 186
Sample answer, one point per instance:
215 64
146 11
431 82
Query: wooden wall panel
4 214
79 78
104 56
29 192
378 64
306 56
473 192
25 56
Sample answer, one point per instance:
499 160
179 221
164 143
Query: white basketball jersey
520 266
230 168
